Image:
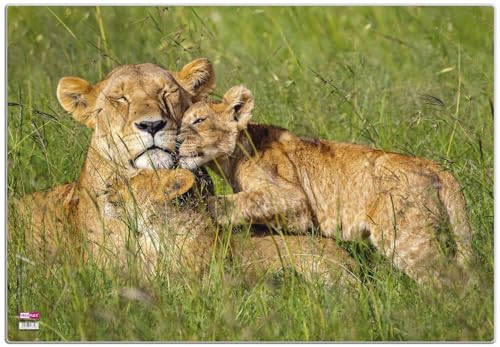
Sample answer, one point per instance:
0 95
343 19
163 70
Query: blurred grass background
416 80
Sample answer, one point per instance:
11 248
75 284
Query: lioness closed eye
402 204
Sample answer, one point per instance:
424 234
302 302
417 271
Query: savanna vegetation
415 80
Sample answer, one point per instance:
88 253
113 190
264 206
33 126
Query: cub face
210 129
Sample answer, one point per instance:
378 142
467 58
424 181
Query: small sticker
29 325
35 315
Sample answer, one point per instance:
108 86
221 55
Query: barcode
28 325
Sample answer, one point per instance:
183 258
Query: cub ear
197 78
76 96
240 101
155 186
163 185
178 182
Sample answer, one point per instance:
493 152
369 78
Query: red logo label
35 315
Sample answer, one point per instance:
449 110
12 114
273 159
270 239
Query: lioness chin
403 205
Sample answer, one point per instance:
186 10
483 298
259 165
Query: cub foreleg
269 205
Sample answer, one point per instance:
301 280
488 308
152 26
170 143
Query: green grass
416 80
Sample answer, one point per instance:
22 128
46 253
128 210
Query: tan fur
312 257
259 253
43 218
400 203
120 151
120 209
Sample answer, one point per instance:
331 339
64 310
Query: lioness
134 113
121 205
401 204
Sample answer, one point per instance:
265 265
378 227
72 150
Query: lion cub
410 208
195 239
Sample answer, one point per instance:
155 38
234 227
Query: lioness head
210 129
136 110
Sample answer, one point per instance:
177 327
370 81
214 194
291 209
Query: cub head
136 110
150 186
210 129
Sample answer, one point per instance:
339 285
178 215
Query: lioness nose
151 127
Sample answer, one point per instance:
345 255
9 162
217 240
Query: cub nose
151 127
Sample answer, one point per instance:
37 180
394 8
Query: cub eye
198 120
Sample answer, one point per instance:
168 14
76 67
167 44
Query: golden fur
84 213
402 204
121 207
258 252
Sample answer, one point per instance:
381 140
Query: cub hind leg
422 246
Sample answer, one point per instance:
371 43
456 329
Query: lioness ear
197 78
76 96
240 101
